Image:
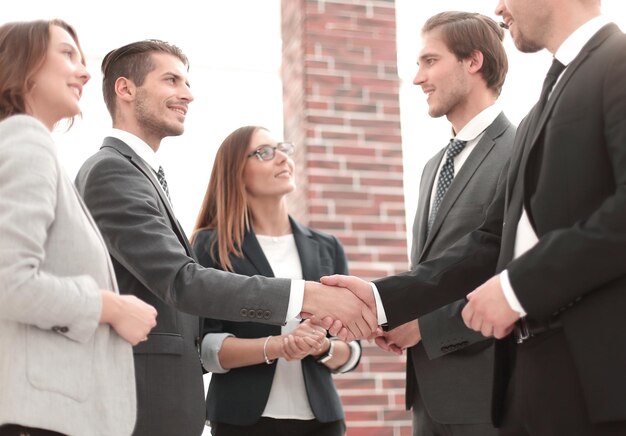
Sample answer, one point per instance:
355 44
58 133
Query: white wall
235 55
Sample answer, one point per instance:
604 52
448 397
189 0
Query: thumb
330 280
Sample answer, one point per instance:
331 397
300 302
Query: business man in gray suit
462 66
147 93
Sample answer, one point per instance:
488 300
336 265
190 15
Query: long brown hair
23 48
225 204
466 32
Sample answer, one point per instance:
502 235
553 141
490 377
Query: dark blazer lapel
138 162
478 154
253 254
593 43
423 207
308 250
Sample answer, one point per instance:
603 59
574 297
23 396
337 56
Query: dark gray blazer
230 398
569 172
456 388
154 261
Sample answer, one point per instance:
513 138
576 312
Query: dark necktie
163 182
553 74
446 175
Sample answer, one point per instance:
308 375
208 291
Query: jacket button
259 313
267 314
243 312
251 313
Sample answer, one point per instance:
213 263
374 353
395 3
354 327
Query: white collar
140 147
479 123
573 44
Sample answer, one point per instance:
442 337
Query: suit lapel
308 250
139 163
253 254
476 157
420 227
533 130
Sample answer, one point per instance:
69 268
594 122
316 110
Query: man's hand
330 303
488 311
402 337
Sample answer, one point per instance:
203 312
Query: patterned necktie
163 182
445 176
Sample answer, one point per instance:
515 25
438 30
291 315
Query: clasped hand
345 305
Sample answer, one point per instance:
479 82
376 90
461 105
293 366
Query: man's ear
475 61
125 89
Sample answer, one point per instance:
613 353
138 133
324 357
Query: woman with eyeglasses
267 380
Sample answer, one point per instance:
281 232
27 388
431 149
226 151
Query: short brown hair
23 48
134 62
466 32
225 204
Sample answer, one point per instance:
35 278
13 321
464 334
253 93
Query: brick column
341 107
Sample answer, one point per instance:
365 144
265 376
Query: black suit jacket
455 381
154 261
239 396
570 173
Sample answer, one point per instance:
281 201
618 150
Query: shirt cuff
209 350
296 299
509 294
353 360
380 310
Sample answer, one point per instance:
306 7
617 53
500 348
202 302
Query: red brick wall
341 107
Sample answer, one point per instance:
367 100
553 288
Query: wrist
268 355
110 307
323 349
325 356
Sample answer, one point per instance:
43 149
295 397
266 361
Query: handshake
347 308
345 305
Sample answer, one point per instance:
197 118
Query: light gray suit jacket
153 260
456 387
59 369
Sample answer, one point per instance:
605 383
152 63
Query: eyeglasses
267 152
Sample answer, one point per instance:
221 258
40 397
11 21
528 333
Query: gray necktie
446 175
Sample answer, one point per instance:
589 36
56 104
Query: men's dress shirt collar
574 43
479 123
143 150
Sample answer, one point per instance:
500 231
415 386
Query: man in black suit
563 247
564 239
147 93
462 67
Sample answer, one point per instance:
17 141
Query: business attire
154 261
60 370
449 383
566 189
305 391
565 183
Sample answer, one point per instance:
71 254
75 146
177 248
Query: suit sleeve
125 206
451 276
29 178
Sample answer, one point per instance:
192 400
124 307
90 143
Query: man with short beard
462 67
147 93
